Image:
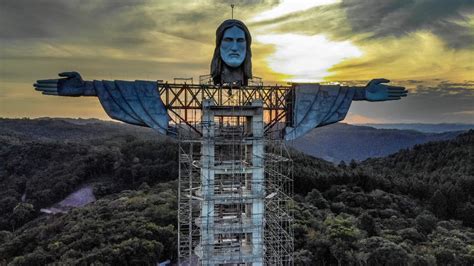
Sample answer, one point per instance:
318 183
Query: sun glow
306 58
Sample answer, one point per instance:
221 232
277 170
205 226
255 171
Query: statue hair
216 63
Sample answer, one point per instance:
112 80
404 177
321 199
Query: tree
425 223
439 204
303 257
379 251
368 224
342 228
314 197
466 214
21 213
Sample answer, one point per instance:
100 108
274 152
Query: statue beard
232 74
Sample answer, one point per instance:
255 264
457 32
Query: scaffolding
279 237
235 189
184 102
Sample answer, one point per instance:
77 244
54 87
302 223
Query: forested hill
414 207
65 129
449 158
334 143
440 172
130 223
344 142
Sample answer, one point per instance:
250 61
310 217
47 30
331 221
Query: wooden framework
184 102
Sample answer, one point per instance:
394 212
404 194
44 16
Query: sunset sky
425 45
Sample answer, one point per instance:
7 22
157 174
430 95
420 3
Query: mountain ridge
423 127
334 143
344 142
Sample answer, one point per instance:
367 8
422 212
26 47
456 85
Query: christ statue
139 102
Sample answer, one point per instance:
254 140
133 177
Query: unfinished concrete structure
232 190
233 211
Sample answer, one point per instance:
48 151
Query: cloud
101 32
140 28
469 112
452 21
107 39
352 118
430 102
53 19
162 39
110 22
86 34
329 20
286 7
446 19
416 56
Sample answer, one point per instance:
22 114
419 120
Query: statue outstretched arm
318 105
71 84
133 102
376 91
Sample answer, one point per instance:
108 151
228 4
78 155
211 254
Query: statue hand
71 85
376 91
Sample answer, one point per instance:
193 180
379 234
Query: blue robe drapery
318 105
134 102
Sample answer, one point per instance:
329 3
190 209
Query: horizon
120 122
431 55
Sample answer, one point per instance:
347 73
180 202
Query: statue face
233 47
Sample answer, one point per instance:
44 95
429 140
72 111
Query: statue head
232 50
233 47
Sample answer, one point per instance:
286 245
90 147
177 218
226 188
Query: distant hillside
427 128
343 142
48 129
334 143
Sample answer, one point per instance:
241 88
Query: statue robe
318 105
139 103
134 102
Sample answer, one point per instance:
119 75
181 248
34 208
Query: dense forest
414 207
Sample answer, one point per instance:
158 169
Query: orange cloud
353 118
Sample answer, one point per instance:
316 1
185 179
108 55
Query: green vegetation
130 227
412 208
